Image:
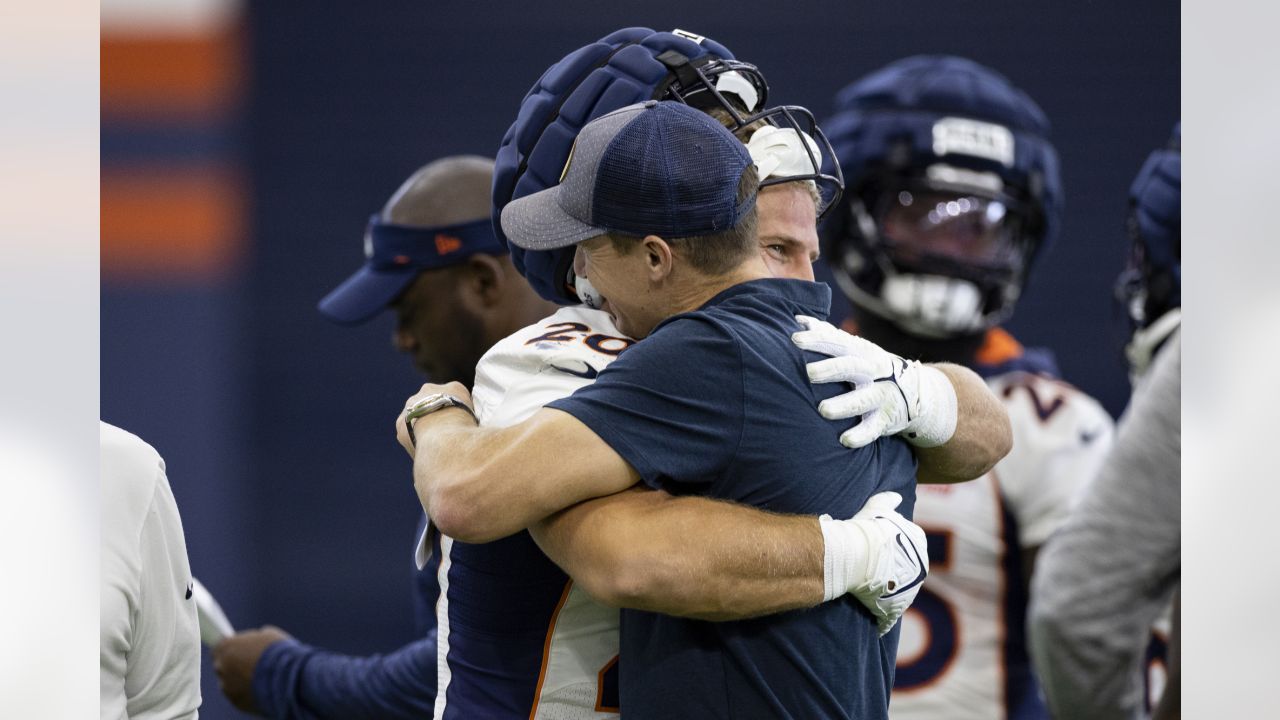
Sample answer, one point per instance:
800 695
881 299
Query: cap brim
537 222
365 294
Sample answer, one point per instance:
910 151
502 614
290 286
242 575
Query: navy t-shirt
717 402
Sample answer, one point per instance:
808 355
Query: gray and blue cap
653 168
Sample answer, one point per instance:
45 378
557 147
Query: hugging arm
957 426
480 484
709 559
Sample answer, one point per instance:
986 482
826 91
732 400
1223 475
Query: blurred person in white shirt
149 652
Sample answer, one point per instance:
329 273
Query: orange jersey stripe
998 347
546 649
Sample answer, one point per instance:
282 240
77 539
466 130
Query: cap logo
446 244
974 138
688 35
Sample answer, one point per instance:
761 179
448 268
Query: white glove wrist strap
936 422
844 556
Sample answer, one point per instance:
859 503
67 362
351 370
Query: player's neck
698 288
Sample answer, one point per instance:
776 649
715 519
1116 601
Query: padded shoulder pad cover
618 70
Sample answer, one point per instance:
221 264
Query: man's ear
658 257
483 281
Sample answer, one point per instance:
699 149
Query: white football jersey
962 652
547 361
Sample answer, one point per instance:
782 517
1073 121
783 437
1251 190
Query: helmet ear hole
899 155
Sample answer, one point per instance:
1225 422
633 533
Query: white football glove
878 556
891 395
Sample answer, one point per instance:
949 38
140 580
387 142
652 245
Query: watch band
430 404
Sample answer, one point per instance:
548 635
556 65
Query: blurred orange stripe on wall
173 221
172 75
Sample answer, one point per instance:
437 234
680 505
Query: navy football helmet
1150 288
953 190
622 68
1151 285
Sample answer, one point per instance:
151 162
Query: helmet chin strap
586 293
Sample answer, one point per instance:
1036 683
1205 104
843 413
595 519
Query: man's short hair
714 254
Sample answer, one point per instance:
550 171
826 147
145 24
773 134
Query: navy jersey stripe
1022 699
502 598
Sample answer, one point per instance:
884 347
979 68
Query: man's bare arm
688 556
956 424
481 484
983 434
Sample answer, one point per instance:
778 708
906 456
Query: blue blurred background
243 147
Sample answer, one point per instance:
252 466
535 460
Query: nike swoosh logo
590 373
190 586
919 578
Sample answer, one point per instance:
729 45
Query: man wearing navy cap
432 256
660 201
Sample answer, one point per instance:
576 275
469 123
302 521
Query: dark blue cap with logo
394 257
654 168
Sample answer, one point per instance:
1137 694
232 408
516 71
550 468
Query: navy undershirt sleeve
300 682
672 405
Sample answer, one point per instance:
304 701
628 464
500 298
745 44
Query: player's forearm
983 434
687 556
457 483
479 484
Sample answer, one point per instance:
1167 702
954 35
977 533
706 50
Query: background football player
952 192
1112 568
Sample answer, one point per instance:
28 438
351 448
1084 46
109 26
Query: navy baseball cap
395 255
653 168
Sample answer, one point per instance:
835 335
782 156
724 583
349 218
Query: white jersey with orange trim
962 652
516 637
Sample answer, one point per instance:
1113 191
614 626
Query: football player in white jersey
952 190
566 351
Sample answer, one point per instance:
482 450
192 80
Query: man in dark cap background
432 257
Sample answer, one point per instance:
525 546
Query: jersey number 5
941 628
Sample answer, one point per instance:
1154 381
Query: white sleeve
166 678
1111 570
526 371
1060 438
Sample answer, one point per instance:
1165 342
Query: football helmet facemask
953 191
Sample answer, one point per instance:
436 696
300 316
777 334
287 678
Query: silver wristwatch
428 405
